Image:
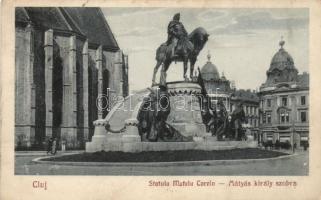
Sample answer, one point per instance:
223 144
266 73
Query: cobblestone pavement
297 165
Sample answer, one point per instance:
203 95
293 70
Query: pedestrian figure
54 146
49 146
305 146
247 134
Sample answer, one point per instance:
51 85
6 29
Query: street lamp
216 93
216 96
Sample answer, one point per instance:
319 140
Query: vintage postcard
160 99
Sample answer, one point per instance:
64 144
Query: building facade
220 88
217 87
64 59
251 102
284 101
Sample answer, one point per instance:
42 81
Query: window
303 116
268 103
284 116
284 101
268 117
302 100
287 117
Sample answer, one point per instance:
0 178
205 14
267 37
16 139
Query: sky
242 42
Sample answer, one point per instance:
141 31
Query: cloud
137 49
210 15
221 45
229 30
264 20
249 23
138 31
124 12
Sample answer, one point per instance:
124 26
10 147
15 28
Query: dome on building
209 70
282 69
281 60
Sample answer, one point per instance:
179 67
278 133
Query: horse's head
206 37
199 37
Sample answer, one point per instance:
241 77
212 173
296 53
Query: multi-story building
219 88
284 101
64 58
250 101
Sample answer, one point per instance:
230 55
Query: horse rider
176 31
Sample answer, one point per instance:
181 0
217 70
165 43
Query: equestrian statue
180 46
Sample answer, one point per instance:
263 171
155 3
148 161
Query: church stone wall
24 111
92 90
39 86
58 79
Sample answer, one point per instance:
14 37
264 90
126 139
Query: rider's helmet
177 17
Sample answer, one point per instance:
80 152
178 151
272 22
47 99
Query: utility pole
292 137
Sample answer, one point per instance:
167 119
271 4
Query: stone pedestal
99 139
185 115
131 134
100 131
131 139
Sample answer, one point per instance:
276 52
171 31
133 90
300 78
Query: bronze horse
197 38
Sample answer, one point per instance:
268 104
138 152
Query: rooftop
88 22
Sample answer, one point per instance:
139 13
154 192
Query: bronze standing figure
238 117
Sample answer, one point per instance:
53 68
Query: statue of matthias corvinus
180 46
